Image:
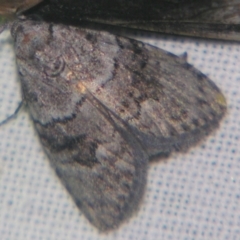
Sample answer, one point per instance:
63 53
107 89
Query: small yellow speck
81 88
69 75
221 99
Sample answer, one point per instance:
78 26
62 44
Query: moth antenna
13 115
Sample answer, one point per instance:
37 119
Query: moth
104 106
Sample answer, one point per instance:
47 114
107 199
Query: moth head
35 47
29 36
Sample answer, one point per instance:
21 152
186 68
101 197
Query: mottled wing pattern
102 166
92 151
102 105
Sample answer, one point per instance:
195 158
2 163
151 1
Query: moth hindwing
104 105
218 19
